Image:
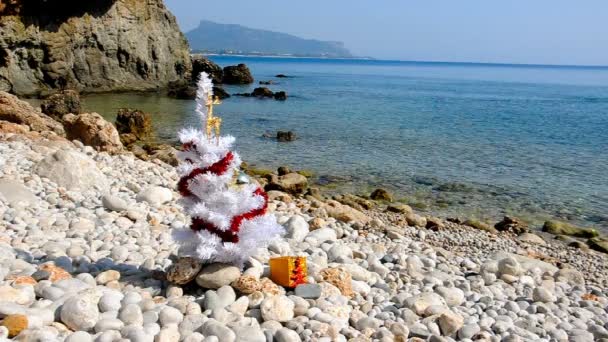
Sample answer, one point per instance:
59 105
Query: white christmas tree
229 222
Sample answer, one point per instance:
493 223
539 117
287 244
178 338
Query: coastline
447 198
433 196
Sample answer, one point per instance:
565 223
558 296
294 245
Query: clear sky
509 31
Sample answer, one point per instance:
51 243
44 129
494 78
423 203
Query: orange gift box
288 271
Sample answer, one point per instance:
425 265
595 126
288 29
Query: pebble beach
86 255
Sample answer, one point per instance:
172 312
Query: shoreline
430 202
430 199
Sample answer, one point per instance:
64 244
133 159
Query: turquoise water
453 139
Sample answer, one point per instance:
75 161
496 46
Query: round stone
107 276
286 335
277 308
79 336
79 313
170 315
131 314
184 270
114 203
214 276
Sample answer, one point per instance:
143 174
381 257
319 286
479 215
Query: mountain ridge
212 37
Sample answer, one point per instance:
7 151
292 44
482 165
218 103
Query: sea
461 140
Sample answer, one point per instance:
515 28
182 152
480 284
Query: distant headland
229 39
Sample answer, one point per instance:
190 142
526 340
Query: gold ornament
213 122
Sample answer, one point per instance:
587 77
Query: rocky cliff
90 46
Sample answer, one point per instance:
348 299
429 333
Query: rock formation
62 103
135 122
92 130
237 74
20 112
264 93
89 46
201 63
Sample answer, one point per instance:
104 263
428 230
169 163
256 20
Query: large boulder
62 103
133 121
90 46
71 170
93 130
237 74
292 183
20 112
201 63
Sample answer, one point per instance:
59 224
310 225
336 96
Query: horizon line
368 58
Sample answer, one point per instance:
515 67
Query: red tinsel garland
231 235
237 220
226 235
219 168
